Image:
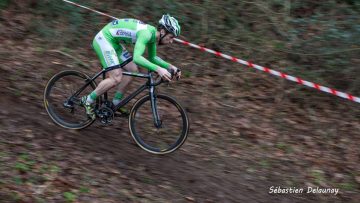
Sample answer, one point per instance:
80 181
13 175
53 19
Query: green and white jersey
107 44
126 30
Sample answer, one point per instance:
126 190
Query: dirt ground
249 131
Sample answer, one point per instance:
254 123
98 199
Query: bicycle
154 112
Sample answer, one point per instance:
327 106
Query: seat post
105 94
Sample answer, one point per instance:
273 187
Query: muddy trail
248 132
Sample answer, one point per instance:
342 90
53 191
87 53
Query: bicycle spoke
67 113
159 139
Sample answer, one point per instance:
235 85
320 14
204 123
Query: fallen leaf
190 199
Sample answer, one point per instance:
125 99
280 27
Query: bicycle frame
148 85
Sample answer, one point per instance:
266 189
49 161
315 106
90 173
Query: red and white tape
249 64
93 10
274 72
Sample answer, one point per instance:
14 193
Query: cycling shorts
109 53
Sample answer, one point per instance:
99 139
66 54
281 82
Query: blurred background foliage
316 40
299 140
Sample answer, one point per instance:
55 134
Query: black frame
150 84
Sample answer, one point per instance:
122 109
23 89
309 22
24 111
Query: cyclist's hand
176 71
163 73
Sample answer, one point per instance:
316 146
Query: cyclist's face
168 39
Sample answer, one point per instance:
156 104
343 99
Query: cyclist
108 45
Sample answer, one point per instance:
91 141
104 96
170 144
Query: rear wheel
62 108
167 137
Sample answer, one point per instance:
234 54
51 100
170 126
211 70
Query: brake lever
172 73
178 77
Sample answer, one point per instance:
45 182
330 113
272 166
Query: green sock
91 97
117 98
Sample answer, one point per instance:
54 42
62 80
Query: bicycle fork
156 117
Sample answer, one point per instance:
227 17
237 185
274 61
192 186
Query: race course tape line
251 65
274 72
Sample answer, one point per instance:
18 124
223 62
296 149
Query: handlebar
165 81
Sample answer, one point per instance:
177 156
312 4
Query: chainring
106 115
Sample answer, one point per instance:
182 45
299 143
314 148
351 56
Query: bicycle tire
138 137
49 104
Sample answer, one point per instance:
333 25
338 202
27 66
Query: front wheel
158 139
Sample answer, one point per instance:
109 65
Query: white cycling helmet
170 24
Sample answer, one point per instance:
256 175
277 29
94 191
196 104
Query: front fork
156 117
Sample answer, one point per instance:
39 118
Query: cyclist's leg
106 52
123 55
114 78
131 67
108 57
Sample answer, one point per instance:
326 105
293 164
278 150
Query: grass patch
2 182
4 4
265 164
45 169
347 186
148 180
22 167
39 200
24 157
187 74
318 175
2 156
54 169
69 196
84 189
17 92
50 73
285 147
66 50
40 50
18 180
25 163
15 197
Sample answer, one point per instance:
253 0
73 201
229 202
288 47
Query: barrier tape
251 65
98 12
274 72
